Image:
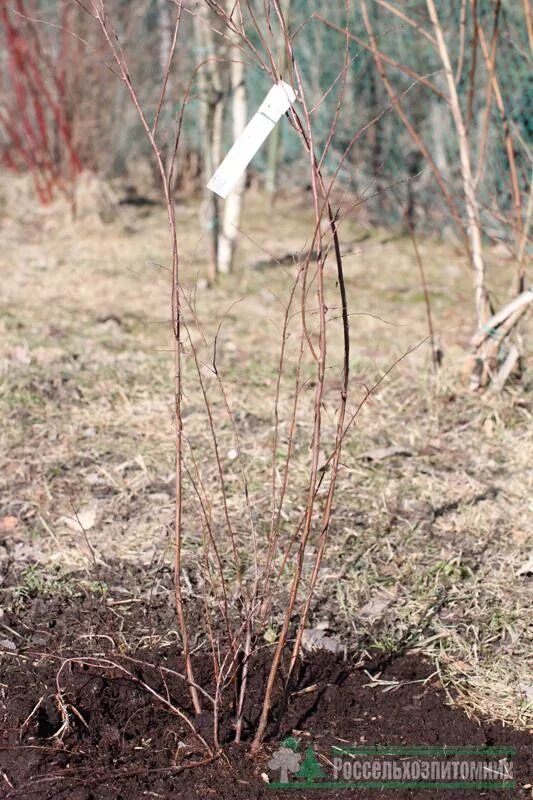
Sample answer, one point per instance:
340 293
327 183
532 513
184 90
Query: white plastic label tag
276 103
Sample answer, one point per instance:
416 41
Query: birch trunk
472 209
233 205
210 87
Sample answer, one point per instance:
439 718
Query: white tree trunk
233 205
212 108
165 45
165 33
472 209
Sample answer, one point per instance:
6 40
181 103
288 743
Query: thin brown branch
509 145
120 60
406 18
372 48
415 136
462 36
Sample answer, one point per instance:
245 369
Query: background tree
233 203
209 51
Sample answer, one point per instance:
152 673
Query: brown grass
426 547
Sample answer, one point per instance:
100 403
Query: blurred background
420 112
63 111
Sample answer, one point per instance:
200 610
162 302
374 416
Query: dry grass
426 548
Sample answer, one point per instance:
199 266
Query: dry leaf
82 519
376 606
527 691
527 568
8 524
316 639
20 355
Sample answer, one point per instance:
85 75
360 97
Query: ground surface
432 529
110 738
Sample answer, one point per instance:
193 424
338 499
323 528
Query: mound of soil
113 734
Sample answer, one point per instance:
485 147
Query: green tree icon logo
310 771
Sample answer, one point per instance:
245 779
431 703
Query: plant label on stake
279 99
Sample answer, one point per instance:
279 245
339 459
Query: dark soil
121 742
